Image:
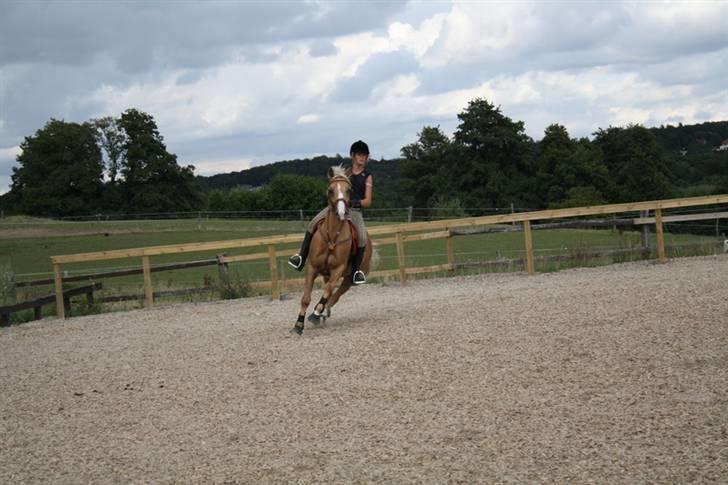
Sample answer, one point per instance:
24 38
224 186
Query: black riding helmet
359 147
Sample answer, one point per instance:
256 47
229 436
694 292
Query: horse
332 247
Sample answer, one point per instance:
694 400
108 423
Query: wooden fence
38 304
399 234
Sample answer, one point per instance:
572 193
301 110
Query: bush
233 286
7 284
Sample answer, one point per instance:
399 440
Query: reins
333 242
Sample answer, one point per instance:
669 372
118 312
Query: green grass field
26 246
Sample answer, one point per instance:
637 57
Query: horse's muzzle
341 209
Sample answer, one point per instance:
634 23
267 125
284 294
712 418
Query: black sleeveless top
358 186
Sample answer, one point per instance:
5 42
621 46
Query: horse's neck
333 223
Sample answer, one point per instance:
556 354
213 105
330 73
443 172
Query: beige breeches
356 218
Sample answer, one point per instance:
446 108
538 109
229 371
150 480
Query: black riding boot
358 277
298 261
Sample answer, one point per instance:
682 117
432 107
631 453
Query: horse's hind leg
343 288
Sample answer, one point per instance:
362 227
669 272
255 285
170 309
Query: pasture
26 246
613 374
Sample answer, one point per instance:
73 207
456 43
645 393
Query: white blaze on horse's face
340 205
341 209
339 188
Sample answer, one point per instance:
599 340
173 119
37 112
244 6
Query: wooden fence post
148 291
660 236
282 281
222 269
400 260
275 292
60 307
645 232
451 252
529 247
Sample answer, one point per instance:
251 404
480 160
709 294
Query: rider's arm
367 200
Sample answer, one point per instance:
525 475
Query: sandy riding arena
616 374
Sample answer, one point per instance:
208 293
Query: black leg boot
358 277
298 261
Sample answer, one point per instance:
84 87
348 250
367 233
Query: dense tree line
490 162
122 165
102 165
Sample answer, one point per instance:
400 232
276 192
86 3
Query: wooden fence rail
38 304
402 233
119 272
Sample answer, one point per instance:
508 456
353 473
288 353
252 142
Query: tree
292 192
111 139
635 163
495 168
570 172
152 179
426 163
217 200
60 171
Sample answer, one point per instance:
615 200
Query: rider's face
359 159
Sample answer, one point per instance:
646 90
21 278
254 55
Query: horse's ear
347 172
331 172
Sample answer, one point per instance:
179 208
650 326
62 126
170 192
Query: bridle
340 178
332 242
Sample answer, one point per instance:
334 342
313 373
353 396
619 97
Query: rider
361 196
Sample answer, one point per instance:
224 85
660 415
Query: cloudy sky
234 84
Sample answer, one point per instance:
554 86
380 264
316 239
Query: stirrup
359 278
295 262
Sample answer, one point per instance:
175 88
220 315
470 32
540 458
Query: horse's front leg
305 301
324 303
318 310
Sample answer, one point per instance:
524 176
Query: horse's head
339 192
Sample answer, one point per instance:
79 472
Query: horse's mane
339 171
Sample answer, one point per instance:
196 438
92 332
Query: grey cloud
321 48
145 35
376 69
705 72
30 97
569 35
448 78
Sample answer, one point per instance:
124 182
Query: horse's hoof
296 331
313 318
328 312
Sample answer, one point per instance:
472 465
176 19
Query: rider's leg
357 275
298 261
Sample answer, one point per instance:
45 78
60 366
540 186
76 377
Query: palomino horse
331 250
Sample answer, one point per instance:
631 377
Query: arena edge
402 234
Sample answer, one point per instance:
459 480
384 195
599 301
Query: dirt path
610 375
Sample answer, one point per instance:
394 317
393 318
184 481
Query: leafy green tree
569 171
152 179
556 148
60 171
495 166
112 140
635 163
289 192
425 165
246 199
217 200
